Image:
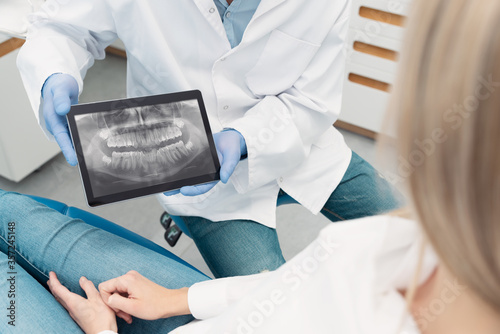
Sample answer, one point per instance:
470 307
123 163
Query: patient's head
448 99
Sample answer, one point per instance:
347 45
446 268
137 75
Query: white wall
23 146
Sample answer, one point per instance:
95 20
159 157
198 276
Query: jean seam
25 259
333 213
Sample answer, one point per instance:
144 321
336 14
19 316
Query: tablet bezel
113 105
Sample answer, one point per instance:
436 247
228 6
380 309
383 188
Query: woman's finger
121 303
125 316
60 292
89 288
107 288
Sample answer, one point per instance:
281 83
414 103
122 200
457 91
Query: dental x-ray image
136 147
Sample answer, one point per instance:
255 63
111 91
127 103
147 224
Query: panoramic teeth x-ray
136 147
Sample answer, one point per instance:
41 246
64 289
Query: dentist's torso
182 45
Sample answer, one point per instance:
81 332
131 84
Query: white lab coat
344 282
281 87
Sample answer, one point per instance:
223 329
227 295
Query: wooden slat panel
376 51
356 129
117 52
10 45
382 16
369 82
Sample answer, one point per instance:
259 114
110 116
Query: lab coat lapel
209 11
265 6
257 28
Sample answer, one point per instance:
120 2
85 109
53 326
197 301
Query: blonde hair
447 99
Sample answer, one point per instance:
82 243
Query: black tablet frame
113 105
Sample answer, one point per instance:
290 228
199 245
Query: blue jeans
245 247
46 240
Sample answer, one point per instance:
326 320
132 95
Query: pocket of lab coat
281 63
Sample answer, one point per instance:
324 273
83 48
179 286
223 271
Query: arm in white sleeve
210 298
63 37
297 117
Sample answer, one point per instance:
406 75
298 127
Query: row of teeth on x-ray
170 154
143 138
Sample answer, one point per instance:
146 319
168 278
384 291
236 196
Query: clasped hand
127 296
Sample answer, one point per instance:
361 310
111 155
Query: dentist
271 74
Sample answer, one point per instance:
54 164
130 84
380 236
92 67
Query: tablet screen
135 147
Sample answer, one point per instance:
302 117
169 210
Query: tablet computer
140 146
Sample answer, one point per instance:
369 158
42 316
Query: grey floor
297 227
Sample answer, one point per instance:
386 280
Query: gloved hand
59 92
231 146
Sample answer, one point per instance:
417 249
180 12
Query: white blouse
345 282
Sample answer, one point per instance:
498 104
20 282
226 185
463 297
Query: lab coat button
212 10
223 59
226 107
281 180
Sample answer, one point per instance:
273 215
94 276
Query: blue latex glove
231 146
59 92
